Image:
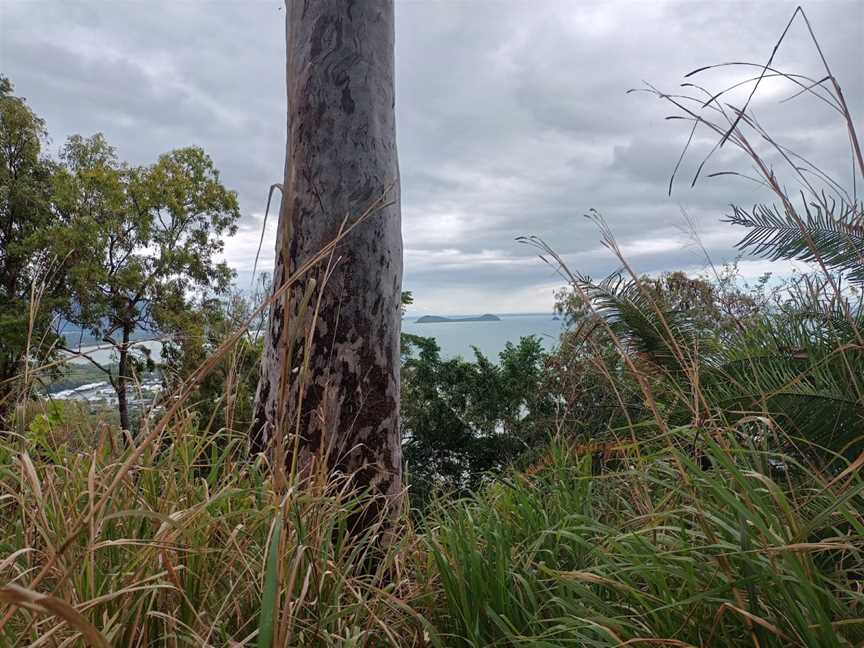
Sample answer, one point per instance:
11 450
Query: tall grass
757 551
181 536
196 547
181 551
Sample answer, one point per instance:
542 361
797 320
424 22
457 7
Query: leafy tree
793 355
224 399
407 300
703 309
142 242
669 329
25 210
464 420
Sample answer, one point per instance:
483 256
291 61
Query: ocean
457 338
454 338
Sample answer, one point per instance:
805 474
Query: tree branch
78 354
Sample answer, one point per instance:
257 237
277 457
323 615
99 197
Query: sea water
458 338
454 338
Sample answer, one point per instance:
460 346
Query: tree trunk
120 385
340 158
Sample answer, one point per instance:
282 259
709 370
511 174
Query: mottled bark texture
340 158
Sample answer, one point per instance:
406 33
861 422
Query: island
437 319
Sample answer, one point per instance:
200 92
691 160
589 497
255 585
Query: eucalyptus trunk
121 384
340 159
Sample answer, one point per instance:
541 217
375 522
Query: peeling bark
340 157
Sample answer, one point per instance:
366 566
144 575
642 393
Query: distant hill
437 319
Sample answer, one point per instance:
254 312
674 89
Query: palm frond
643 323
805 369
831 231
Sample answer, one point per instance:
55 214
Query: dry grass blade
264 228
731 130
48 605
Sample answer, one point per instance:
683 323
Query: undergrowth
755 550
737 547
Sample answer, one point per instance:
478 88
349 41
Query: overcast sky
512 119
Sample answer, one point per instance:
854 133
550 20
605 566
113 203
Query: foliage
140 243
27 281
650 328
56 428
654 315
658 552
801 365
175 552
794 355
225 398
831 231
654 549
463 421
406 300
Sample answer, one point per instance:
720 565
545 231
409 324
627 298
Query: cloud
512 119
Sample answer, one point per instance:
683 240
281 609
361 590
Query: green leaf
271 584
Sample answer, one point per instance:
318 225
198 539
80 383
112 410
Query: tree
406 300
340 158
466 420
141 243
25 210
667 328
224 398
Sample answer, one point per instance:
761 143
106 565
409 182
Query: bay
456 338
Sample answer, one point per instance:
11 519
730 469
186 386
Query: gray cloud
512 119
